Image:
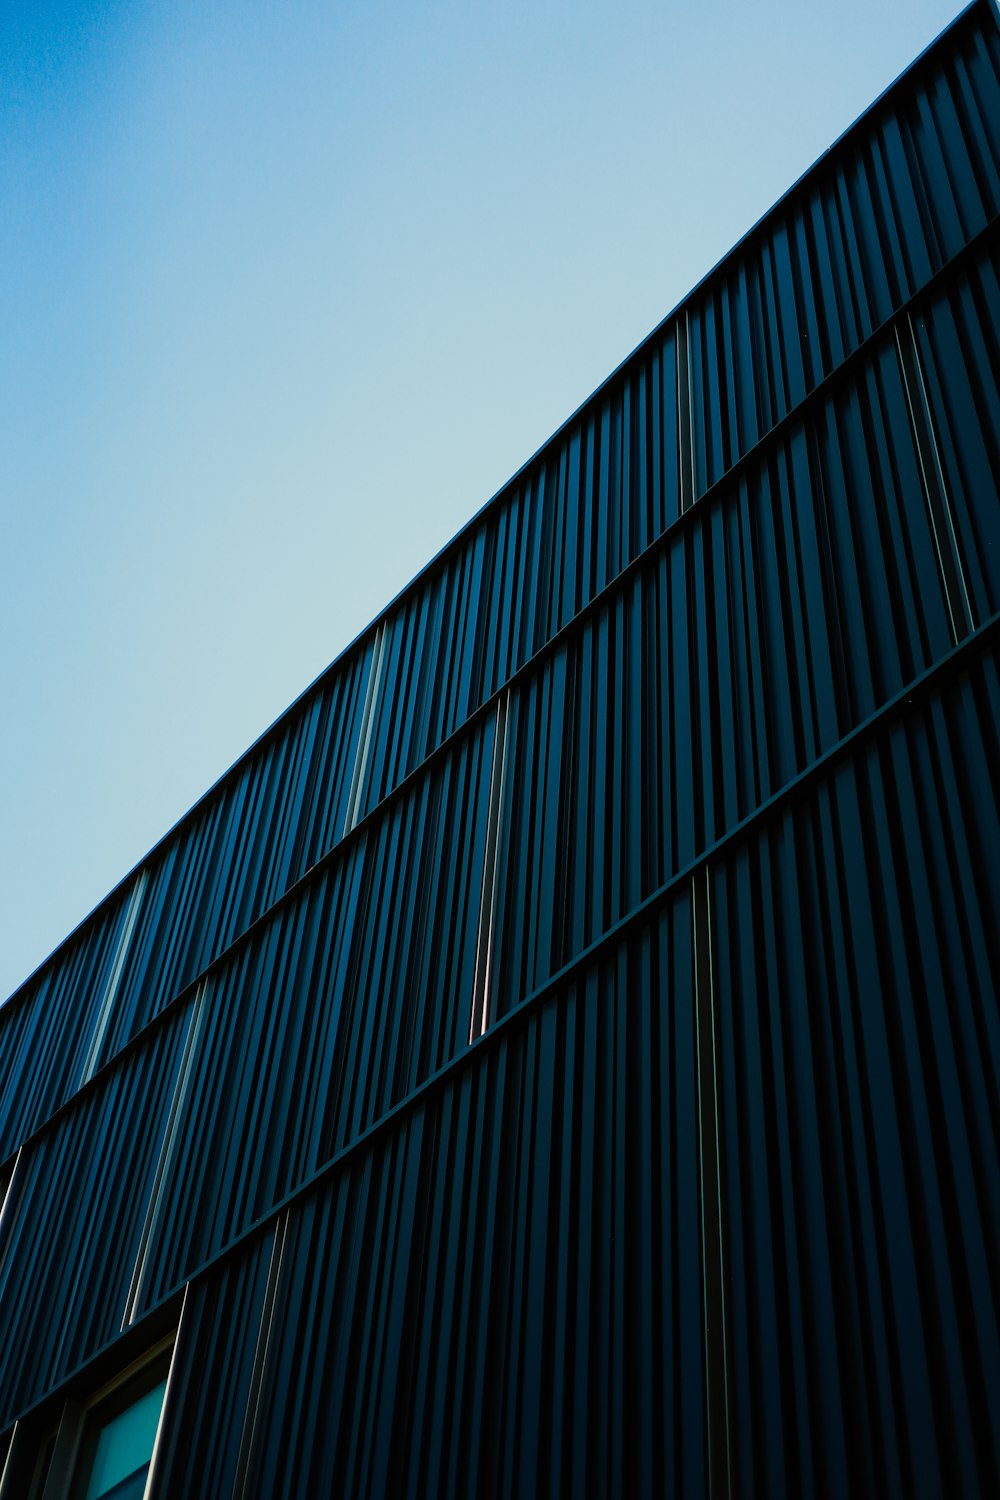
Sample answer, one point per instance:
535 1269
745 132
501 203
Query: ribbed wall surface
563 1055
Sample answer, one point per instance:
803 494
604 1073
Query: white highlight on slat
265 1341
178 1105
6 1207
353 813
114 979
487 903
164 1423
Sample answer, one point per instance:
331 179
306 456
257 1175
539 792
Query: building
561 1056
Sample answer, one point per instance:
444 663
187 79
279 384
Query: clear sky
288 291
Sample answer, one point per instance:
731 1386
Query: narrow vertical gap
710 1186
178 1106
361 760
242 1485
114 980
487 904
939 507
685 413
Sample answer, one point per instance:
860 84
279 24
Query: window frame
80 1421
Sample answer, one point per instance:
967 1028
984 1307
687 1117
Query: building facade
561 1057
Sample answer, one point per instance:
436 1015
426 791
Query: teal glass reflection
124 1449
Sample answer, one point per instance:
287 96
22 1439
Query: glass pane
125 1446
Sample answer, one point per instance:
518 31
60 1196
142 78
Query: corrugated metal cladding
563 1056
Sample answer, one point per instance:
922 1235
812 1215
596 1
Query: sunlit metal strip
487 904
356 794
7 1207
165 1429
114 979
176 1122
265 1341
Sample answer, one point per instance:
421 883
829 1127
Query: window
101 1445
118 1438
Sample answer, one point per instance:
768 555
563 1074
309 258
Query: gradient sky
289 290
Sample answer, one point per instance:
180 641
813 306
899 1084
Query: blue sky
289 290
